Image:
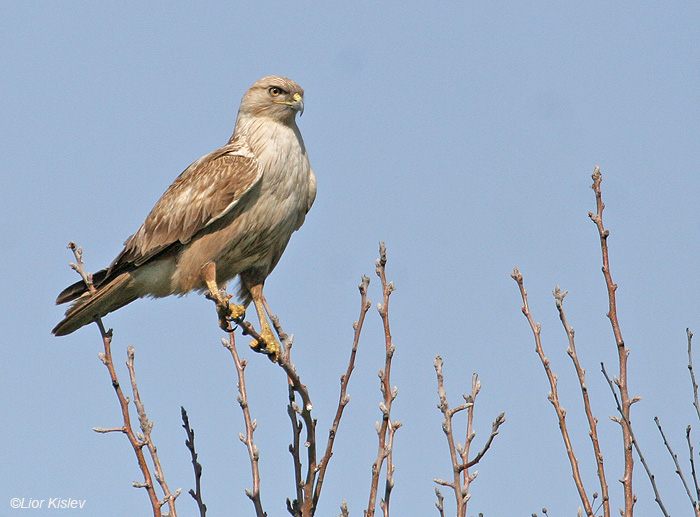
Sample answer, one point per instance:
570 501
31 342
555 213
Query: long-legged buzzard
231 213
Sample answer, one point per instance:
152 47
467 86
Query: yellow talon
237 311
268 345
227 312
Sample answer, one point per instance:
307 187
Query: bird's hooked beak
297 104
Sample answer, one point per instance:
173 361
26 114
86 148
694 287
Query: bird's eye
274 91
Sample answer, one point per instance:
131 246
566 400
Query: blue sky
461 134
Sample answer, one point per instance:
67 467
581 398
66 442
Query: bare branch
295 448
459 455
387 427
303 504
108 430
146 427
692 467
553 395
500 419
623 352
79 266
308 487
696 404
439 504
461 491
189 443
470 400
679 471
297 387
592 421
621 420
250 425
136 444
344 398
106 358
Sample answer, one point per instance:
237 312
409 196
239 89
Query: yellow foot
228 311
269 345
236 311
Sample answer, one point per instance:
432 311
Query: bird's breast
257 231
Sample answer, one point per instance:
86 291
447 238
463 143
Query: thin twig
106 358
623 352
387 428
308 488
495 425
79 266
146 427
553 395
189 443
696 506
294 507
461 492
696 404
136 444
439 504
471 434
679 471
344 398
657 496
459 455
305 504
592 421
250 426
298 507
302 506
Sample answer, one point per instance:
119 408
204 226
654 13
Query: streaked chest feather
256 233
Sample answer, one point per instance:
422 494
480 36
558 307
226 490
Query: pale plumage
235 208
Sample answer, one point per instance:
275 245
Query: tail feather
79 288
87 307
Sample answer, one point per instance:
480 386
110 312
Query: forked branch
135 442
459 454
144 438
308 485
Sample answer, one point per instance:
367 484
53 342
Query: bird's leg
225 309
270 346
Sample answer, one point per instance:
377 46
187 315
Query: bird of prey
231 213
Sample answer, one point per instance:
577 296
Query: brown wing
207 190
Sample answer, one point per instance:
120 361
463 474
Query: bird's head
275 97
